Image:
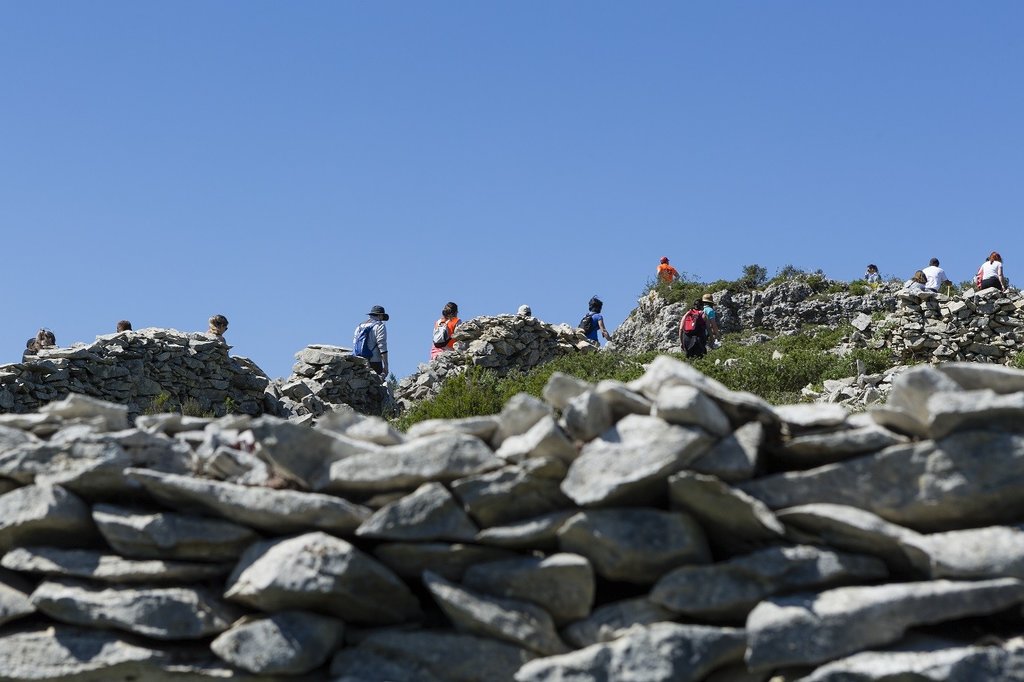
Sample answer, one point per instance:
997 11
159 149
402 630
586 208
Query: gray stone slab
108 568
562 584
285 643
427 514
515 492
42 514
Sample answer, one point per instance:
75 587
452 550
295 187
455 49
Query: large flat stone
428 513
286 643
42 514
811 629
320 573
562 584
274 511
521 491
632 461
108 568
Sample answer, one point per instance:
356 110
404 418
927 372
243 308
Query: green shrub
1018 361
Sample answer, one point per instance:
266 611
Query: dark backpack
363 346
694 323
587 323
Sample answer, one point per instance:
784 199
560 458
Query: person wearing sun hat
666 273
712 318
378 361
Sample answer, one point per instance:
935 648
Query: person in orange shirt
667 273
444 329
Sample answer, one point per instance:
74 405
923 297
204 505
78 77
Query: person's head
45 338
707 299
934 262
124 326
450 309
377 313
219 324
524 311
664 259
698 305
994 256
595 304
919 277
872 267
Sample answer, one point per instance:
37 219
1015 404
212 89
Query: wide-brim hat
379 310
707 298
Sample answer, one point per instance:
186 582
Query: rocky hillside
665 530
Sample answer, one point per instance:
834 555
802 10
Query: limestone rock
610 621
35 515
320 573
274 511
562 584
539 532
171 613
687 406
810 629
302 454
545 439
663 652
511 620
634 545
512 493
441 655
285 643
631 461
14 603
587 416
441 458
733 518
108 568
735 457
993 552
170 535
729 590
428 513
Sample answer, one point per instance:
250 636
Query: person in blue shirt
712 318
597 321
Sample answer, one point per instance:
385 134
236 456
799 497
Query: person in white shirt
934 275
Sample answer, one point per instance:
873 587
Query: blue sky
292 164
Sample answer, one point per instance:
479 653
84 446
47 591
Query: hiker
218 325
666 273
124 326
444 329
712 321
524 311
915 283
871 276
370 340
44 338
693 331
934 276
990 274
593 321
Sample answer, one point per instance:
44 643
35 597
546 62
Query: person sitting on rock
871 276
124 326
444 329
990 274
915 283
218 325
934 275
44 338
524 311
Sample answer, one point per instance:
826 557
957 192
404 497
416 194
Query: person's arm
604 331
999 272
381 334
681 330
714 328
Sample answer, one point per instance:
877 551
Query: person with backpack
370 340
593 321
693 331
666 273
444 329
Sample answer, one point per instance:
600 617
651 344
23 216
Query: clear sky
291 164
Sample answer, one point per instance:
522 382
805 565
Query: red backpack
694 322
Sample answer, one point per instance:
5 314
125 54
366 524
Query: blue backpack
363 345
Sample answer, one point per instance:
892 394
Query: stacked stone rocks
668 529
501 343
780 308
134 368
326 377
976 326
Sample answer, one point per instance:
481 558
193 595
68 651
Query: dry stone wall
500 343
669 529
134 368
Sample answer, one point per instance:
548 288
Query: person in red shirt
445 340
666 273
